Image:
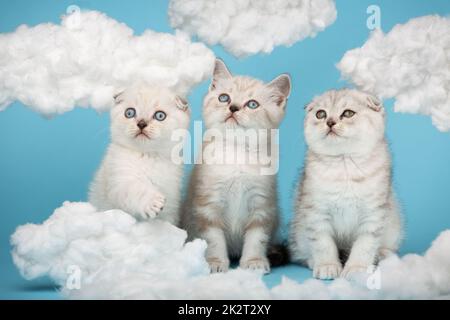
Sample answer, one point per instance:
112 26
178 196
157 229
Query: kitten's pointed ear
374 103
221 72
118 97
181 103
282 86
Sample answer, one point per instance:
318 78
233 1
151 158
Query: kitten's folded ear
309 106
181 103
374 103
282 86
118 97
221 72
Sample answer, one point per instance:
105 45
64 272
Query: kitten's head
342 122
243 102
144 117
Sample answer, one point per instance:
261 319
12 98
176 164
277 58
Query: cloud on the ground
112 256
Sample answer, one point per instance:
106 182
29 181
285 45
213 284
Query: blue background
45 162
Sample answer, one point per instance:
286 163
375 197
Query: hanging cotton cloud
411 63
109 255
249 27
90 57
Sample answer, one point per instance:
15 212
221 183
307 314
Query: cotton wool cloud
410 63
112 256
254 26
89 57
109 255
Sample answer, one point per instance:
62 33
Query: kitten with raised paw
233 205
137 174
345 207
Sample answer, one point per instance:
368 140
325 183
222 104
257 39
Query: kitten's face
344 122
242 102
145 117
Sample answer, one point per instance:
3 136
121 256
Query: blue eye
130 113
160 115
252 104
224 97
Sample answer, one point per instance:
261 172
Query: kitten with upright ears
232 205
345 201
137 174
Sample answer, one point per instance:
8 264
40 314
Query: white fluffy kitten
345 202
230 205
137 174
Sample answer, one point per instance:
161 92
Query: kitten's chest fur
348 189
148 168
340 181
346 178
238 190
236 178
160 172
237 185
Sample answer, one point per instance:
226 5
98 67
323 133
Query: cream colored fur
231 205
137 174
345 200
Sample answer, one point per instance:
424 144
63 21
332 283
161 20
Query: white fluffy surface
90 57
411 63
248 27
120 258
410 277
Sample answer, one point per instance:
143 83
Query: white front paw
327 271
258 263
155 206
217 264
352 269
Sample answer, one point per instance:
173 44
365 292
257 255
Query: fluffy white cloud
411 63
119 258
252 26
86 59
409 277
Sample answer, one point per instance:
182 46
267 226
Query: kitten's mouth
231 118
142 134
332 133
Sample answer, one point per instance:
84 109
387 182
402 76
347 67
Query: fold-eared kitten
345 202
137 174
232 205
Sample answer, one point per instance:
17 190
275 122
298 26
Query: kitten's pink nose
234 108
142 124
331 123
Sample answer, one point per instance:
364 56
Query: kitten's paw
352 269
218 265
327 271
258 263
155 207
